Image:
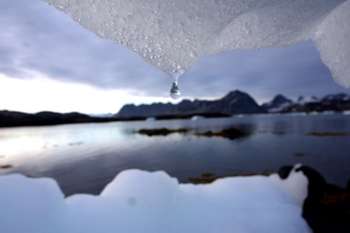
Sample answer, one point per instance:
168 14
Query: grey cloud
35 36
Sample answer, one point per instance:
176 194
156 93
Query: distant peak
281 98
235 93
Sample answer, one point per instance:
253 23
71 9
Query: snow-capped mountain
333 102
277 104
337 97
308 99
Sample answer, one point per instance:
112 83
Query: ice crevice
140 201
172 35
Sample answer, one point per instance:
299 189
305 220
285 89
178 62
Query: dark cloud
36 37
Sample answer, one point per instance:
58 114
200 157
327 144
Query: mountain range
234 103
237 102
335 102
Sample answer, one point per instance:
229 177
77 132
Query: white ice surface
139 201
173 34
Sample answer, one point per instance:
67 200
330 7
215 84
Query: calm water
83 158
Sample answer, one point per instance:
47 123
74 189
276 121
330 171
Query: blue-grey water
83 158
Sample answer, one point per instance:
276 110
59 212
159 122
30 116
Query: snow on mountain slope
277 104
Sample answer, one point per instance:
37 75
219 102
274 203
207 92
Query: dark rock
6 166
284 172
161 131
229 133
327 207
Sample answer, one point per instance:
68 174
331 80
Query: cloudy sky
49 62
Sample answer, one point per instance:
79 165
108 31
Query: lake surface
83 158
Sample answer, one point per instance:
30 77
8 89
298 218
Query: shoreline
12 119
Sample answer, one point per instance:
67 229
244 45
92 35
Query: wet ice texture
173 34
138 201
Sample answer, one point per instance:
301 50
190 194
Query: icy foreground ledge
139 201
173 34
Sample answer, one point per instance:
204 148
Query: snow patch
139 201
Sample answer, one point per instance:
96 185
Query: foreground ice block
139 201
173 34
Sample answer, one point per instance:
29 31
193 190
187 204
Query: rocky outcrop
327 207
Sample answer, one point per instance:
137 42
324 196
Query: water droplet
175 90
